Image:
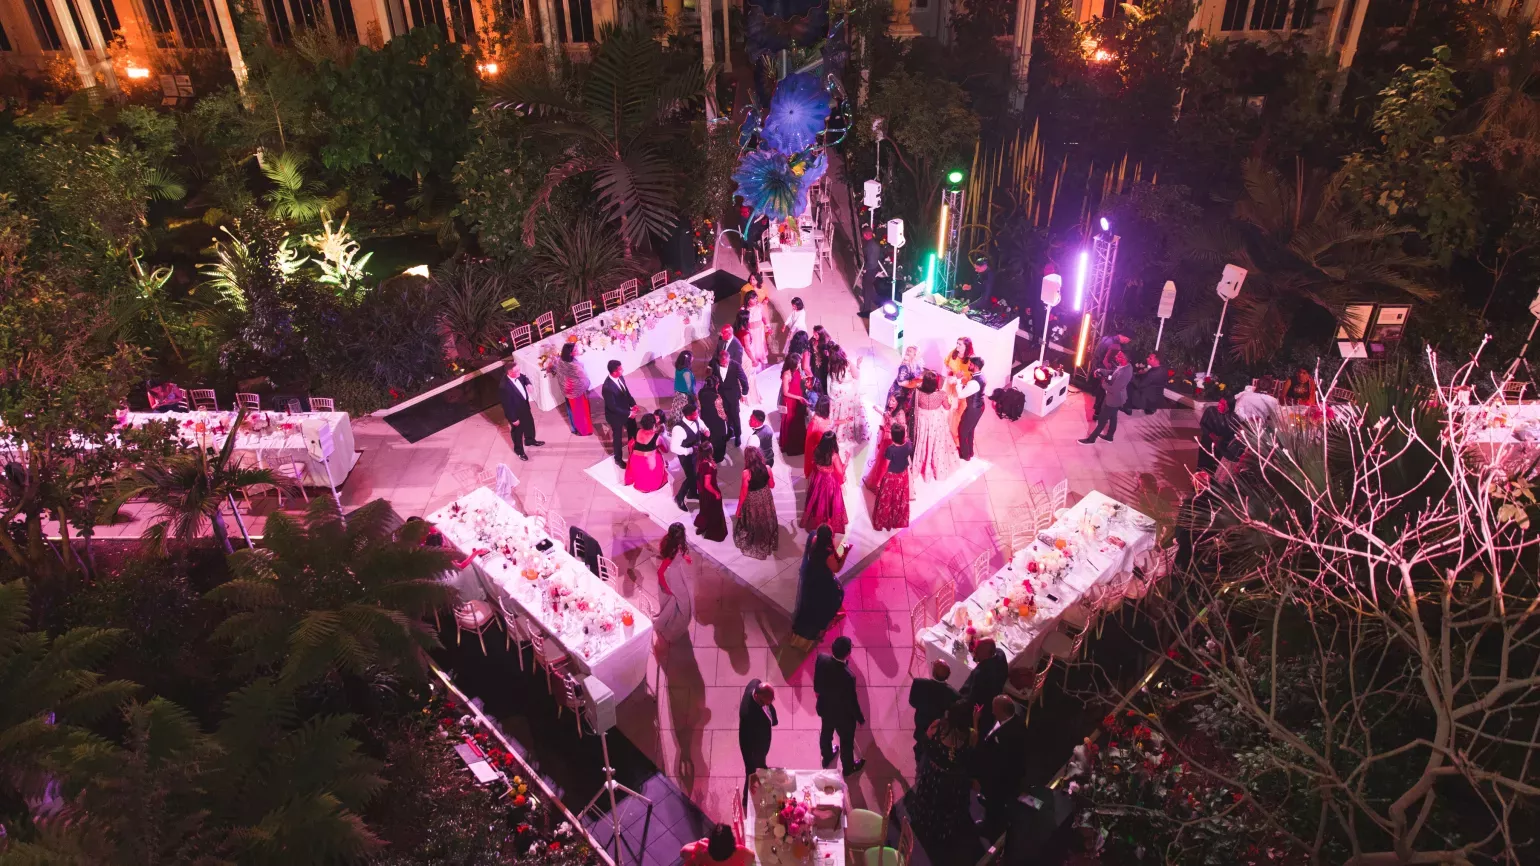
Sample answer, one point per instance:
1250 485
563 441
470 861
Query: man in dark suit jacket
514 393
931 698
988 678
620 411
1002 762
838 708
732 384
756 716
730 344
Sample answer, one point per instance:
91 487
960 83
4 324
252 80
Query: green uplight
954 177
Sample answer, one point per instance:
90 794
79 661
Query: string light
136 72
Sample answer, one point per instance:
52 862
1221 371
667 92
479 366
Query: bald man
1002 762
989 673
756 716
931 698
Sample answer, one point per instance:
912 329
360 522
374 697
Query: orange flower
1060 543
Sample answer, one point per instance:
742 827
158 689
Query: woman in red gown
793 406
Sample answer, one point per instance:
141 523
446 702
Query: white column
727 33
549 37
98 43
1349 48
708 54
232 44
67 32
1026 20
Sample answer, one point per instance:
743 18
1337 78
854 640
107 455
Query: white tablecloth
829 845
616 657
1096 561
663 338
793 265
284 438
1504 432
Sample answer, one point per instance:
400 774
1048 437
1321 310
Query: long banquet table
819 787
658 335
1088 529
565 600
1502 432
282 437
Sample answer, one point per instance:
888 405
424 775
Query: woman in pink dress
758 343
818 423
644 466
935 451
893 416
826 495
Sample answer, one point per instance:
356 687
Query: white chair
514 631
943 598
549 658
1060 497
537 503
608 570
556 527
520 337
629 290
981 570
1513 391
659 280
920 616
569 695
204 400
582 311
611 300
1339 395
545 324
474 616
294 469
866 829
248 401
322 404
506 482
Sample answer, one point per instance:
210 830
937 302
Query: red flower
1197 680
1109 720
555 846
1171 654
1237 796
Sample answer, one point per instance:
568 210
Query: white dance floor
775 578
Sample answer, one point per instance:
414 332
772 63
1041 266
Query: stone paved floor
690 729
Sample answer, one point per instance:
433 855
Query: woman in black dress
819 593
938 804
710 521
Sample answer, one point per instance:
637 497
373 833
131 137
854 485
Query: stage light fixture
1106 226
954 177
1085 329
941 234
1040 376
930 272
890 309
1080 278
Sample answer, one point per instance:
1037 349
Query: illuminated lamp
138 73
418 271
1080 277
1106 226
489 68
930 272
941 235
954 177
890 309
1041 377
1085 330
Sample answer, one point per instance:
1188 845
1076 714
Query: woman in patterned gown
756 529
938 804
935 451
845 390
826 495
891 511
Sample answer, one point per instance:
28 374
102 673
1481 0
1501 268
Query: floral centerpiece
1048 560
1019 601
624 325
792 824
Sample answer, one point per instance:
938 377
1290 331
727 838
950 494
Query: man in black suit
620 411
731 384
730 344
988 677
514 392
1002 763
838 708
756 716
931 698
711 415
687 434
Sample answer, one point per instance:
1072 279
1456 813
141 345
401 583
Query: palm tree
189 488
616 129
581 258
476 300
293 199
1301 245
47 685
328 596
1507 118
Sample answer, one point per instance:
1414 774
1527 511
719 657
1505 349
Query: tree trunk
221 532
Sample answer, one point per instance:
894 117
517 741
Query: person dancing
793 406
891 510
710 521
935 451
845 391
821 422
644 465
574 387
820 597
891 418
756 528
826 493
672 547
684 374
958 375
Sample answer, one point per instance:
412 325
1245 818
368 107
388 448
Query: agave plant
340 264
616 129
475 298
581 259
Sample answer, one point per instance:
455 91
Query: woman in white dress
845 391
935 451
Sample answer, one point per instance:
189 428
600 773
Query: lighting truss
1104 256
947 240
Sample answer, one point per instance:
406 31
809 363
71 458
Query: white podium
1041 401
885 330
934 331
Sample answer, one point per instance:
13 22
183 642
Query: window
43 26
1267 14
106 18
582 19
5 41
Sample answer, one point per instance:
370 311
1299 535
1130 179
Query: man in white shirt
683 438
972 395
